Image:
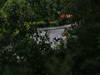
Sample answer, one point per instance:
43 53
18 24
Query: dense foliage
21 55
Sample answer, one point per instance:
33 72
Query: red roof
62 16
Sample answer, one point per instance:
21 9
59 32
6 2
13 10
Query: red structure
62 16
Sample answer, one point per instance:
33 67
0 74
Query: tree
85 46
17 49
20 54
